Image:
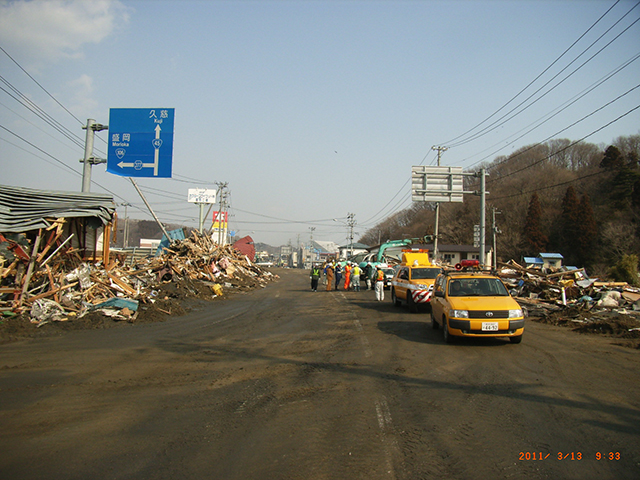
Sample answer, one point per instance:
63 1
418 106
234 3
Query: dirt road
285 383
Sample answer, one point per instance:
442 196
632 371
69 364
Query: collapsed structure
56 265
569 297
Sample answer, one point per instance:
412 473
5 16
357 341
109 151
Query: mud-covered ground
179 297
624 328
282 383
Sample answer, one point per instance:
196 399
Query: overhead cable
43 89
557 111
564 148
534 80
496 124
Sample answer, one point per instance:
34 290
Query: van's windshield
425 273
477 287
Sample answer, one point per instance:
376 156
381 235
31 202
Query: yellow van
414 279
475 304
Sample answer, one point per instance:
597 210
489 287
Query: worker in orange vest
379 284
347 276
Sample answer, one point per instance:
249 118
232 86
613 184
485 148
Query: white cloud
83 102
42 31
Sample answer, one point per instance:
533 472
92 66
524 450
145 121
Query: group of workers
353 275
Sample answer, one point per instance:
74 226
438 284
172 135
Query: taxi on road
475 304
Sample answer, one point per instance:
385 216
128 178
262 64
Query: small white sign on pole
436 184
201 195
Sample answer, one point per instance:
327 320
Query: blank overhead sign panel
140 142
436 184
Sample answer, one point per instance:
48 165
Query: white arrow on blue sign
140 142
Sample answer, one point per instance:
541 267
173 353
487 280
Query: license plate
489 326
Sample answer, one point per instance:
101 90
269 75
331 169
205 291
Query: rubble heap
65 287
569 297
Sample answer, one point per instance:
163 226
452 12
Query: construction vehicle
389 253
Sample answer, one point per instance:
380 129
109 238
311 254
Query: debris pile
62 286
570 298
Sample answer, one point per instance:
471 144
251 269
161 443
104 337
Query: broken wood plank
130 290
50 292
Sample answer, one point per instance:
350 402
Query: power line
371 219
560 110
43 89
564 148
30 105
40 150
450 142
191 180
569 126
548 187
39 112
284 220
495 124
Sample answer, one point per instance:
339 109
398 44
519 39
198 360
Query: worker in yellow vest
355 278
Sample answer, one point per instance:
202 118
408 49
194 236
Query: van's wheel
413 307
517 339
394 299
445 331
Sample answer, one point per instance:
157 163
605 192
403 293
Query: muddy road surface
285 383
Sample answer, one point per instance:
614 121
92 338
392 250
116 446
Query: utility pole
495 232
440 150
311 249
483 195
222 197
89 160
125 234
351 222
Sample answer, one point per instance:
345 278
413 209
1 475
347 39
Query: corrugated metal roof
24 209
551 255
534 260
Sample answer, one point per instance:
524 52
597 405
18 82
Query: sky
308 110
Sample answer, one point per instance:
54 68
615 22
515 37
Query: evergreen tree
613 159
588 233
570 225
535 241
624 175
623 188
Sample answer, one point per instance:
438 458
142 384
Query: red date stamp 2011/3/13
568 456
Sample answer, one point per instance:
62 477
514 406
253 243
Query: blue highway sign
140 142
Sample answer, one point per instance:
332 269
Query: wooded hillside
579 199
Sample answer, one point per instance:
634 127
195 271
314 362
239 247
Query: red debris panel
246 247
